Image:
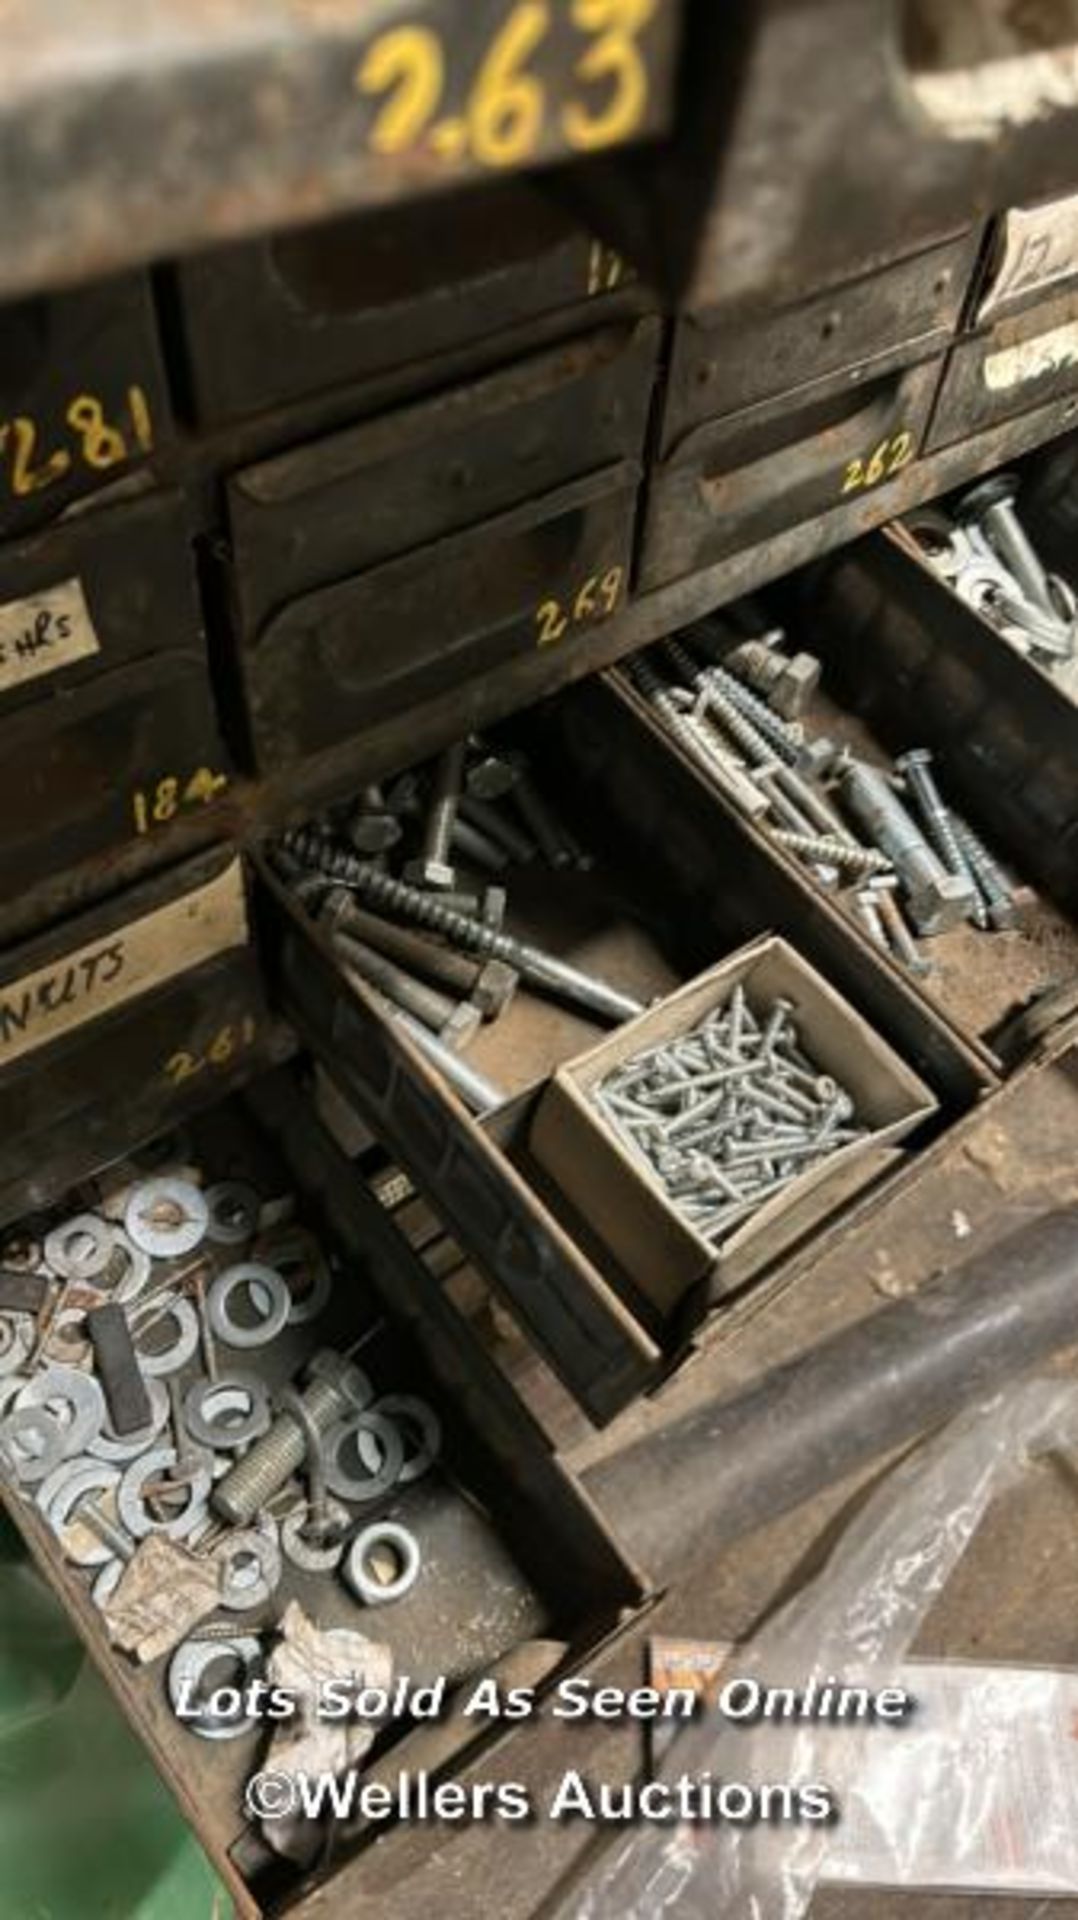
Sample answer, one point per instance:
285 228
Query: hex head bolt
786 684
433 867
488 817
426 910
937 899
995 888
991 505
899 937
335 1388
916 770
436 1010
489 984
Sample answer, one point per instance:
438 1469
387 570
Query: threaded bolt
992 881
916 770
704 750
335 1388
836 853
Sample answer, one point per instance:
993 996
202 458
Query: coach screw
433 868
727 776
334 1390
843 854
938 900
991 504
898 934
786 684
992 881
916 770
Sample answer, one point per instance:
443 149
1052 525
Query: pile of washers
121 1417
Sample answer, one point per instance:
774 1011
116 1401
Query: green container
87 1831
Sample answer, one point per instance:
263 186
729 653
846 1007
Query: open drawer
118 1023
518 1580
673 888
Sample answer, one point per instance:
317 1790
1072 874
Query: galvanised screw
997 893
916 770
843 854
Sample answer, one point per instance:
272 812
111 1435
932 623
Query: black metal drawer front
93 593
903 311
1021 363
120 758
272 320
82 396
584 1333
359 498
336 660
119 1022
735 482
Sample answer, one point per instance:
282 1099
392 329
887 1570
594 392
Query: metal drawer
108 732
1022 362
116 1024
407 554
1033 254
396 292
728 359
666 851
82 396
734 482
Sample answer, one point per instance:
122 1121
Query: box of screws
702 1140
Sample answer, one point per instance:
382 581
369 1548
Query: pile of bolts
410 884
886 841
128 1420
986 557
727 1116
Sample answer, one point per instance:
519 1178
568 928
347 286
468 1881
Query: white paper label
1035 359
45 631
1040 250
104 974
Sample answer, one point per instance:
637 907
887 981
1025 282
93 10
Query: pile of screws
429 936
730 1114
884 841
986 557
124 1414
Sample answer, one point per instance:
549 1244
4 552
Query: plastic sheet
858 1621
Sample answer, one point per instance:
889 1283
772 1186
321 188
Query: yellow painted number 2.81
505 110
888 458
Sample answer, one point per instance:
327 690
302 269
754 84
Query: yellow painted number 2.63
597 600
505 109
156 806
220 1053
888 458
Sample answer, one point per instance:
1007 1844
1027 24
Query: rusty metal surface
127 133
1018 364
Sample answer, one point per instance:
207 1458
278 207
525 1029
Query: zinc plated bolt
433 867
937 899
334 1389
992 504
916 770
994 886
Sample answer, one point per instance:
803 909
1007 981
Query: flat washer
134 1279
409 1411
107 1582
108 1446
59 1500
271 1289
191 1660
67 1388
132 1507
16 1341
166 1217
170 1359
304 1553
79 1248
359 1489
292 1249
32 1463
358 1575
243 1589
234 1209
235 1392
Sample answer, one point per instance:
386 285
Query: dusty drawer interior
655 886
464 1473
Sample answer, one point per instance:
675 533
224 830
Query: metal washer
132 1507
16 1341
61 1254
303 1553
191 1661
170 1359
239 1594
234 1209
366 1587
241 1390
270 1286
360 1489
407 1410
293 1246
167 1241
65 1387
62 1494
29 1423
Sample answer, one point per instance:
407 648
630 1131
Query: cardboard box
626 1205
